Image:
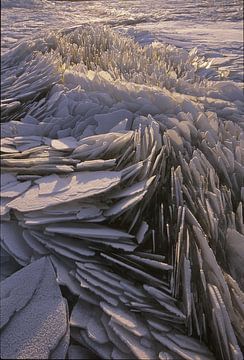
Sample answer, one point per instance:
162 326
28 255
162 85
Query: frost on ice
34 315
123 168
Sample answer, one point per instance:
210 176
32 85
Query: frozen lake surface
213 26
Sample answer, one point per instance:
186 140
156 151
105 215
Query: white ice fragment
121 126
34 244
152 263
178 350
90 231
125 318
94 165
96 331
28 119
175 138
49 219
52 185
15 189
80 185
4 210
64 144
103 350
112 336
189 343
235 255
28 145
184 129
81 314
133 269
64 277
65 208
11 235
91 279
95 290
33 301
73 245
90 212
133 342
141 232
7 180
105 122
88 131
134 189
124 205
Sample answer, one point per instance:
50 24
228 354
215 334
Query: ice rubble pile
124 167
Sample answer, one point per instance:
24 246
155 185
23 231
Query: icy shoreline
215 28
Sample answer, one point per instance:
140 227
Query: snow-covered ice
34 315
122 179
